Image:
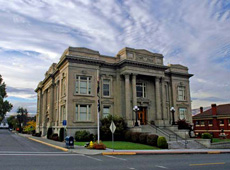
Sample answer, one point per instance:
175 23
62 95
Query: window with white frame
141 89
181 93
182 113
210 122
83 85
221 121
63 112
106 111
83 112
106 87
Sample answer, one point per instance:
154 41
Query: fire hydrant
91 144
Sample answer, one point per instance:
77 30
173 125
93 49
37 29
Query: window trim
183 93
143 87
185 112
88 113
78 83
109 83
109 107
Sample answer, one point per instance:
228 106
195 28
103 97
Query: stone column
127 97
164 112
158 98
134 94
40 111
51 111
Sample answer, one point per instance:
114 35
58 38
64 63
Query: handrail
170 136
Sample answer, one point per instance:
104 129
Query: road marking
93 158
131 168
48 144
27 154
163 167
115 157
217 163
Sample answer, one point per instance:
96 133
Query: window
202 122
197 122
210 123
141 90
83 85
63 113
106 111
181 93
221 122
83 112
228 121
106 87
182 113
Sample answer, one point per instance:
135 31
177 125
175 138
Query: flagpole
98 107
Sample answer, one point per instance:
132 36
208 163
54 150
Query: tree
5 106
12 121
22 116
30 127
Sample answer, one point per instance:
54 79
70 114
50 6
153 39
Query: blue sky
34 33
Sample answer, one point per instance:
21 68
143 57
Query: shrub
206 136
83 136
49 133
128 136
120 128
143 138
99 145
182 124
135 137
162 142
152 140
61 134
54 137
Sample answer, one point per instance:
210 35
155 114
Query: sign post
112 128
64 124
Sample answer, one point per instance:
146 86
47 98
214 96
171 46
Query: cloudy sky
34 34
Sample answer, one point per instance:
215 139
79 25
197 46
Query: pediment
83 101
107 102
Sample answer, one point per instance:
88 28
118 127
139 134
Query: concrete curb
118 153
48 144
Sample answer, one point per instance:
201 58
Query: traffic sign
112 127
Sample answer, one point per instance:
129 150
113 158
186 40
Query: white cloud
192 33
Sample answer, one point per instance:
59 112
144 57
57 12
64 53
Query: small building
4 124
133 77
215 120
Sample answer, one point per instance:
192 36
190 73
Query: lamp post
173 119
135 109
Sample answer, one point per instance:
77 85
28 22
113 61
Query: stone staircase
177 139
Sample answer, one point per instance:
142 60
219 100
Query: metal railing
169 136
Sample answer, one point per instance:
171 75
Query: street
20 153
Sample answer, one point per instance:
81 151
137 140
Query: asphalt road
20 153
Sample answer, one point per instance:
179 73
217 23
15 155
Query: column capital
126 75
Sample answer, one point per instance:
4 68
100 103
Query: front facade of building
134 77
215 120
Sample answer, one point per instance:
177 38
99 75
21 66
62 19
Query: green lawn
215 140
122 145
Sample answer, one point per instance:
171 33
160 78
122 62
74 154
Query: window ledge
221 124
210 125
81 121
90 95
202 125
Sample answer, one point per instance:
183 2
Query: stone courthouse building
132 77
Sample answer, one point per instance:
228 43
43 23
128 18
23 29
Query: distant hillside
196 111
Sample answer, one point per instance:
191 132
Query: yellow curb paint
218 163
214 152
118 153
48 144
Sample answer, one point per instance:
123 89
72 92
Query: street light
173 119
135 109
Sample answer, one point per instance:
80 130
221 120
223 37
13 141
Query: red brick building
213 120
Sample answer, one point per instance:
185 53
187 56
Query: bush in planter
206 136
162 142
143 138
61 134
128 136
182 124
54 137
135 137
49 133
152 140
99 145
83 136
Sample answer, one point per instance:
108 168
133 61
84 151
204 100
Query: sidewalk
85 151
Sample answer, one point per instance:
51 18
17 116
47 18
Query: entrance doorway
142 115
